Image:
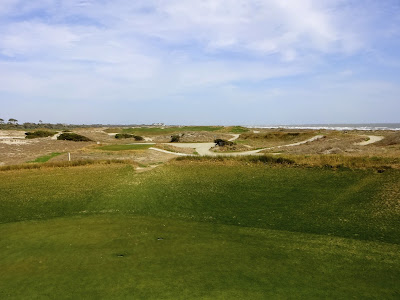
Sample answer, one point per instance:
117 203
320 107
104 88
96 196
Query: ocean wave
366 127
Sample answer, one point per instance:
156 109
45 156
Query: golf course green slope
199 230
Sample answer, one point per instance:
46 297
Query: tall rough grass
266 159
325 161
63 164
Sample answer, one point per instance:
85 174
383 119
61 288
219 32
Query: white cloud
151 50
241 25
32 38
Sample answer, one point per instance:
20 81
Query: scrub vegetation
70 136
128 136
38 134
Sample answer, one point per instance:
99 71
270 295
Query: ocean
367 126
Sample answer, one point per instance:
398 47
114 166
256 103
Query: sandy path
372 139
235 137
317 137
204 148
54 137
170 152
201 148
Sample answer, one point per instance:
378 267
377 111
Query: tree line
13 124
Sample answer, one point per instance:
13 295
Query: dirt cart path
204 148
372 139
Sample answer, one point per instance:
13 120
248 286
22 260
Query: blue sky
247 62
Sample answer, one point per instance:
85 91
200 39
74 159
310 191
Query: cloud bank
194 62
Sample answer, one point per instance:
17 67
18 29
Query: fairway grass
118 257
205 230
46 158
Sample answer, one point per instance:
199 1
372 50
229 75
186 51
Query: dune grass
200 229
322 161
125 147
66 164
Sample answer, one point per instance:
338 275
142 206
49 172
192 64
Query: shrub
123 136
38 134
128 136
138 138
175 138
222 143
70 136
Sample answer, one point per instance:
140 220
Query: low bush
138 138
38 134
175 138
70 136
123 136
128 136
222 143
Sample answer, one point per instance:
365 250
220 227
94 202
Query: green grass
231 230
45 158
168 130
125 147
120 257
238 129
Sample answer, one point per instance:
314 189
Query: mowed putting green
199 230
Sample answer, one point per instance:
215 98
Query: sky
221 62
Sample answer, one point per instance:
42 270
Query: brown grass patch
391 139
64 164
172 148
331 144
273 138
325 161
231 148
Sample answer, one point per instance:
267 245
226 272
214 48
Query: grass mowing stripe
149 258
45 158
342 203
209 230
